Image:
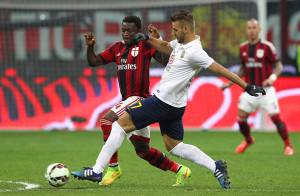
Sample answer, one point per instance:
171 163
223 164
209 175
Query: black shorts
151 110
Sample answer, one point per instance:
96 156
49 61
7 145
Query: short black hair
183 15
133 19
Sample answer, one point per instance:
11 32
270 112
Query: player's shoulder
269 44
243 44
116 45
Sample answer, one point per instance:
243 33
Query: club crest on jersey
134 51
260 53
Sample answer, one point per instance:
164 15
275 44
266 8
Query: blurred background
46 84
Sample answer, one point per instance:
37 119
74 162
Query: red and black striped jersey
133 64
258 61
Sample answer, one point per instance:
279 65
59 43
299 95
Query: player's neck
189 38
254 41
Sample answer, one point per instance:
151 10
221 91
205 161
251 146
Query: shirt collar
187 45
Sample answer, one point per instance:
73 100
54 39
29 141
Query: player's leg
140 140
247 104
104 123
109 149
173 135
113 171
112 144
282 131
270 104
119 129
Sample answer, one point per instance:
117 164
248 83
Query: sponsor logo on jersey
125 66
134 51
251 63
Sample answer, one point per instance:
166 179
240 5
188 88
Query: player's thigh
269 102
247 103
120 107
174 129
147 111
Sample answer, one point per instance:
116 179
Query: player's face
128 31
178 31
253 30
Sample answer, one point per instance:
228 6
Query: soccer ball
57 174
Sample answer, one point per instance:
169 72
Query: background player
133 62
257 60
168 103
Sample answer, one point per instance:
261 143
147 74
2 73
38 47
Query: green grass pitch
262 170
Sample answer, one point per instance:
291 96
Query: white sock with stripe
194 154
112 144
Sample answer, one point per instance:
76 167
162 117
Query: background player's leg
245 131
151 155
282 131
244 126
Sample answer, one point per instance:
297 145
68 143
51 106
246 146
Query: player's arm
158 56
220 70
92 58
273 77
161 58
160 45
240 73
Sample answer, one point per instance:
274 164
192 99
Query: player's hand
139 37
90 39
254 90
267 82
152 30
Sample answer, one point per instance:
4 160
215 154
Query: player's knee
242 118
126 123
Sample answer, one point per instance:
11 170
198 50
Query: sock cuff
173 150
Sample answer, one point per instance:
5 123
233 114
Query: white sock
112 144
194 154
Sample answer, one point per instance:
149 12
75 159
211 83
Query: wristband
273 77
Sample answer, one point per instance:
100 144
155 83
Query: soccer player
133 61
168 103
257 60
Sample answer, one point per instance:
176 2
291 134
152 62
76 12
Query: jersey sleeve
173 43
242 61
272 54
201 58
108 55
